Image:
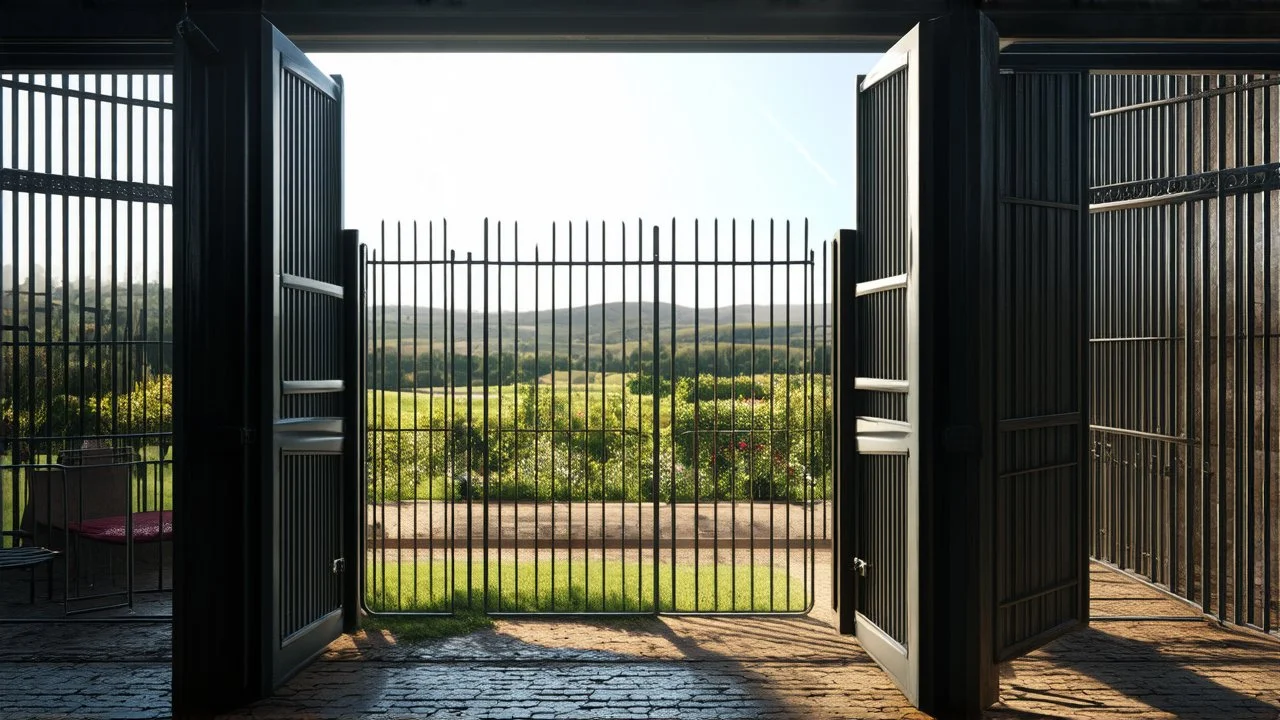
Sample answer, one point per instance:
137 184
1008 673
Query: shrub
711 387
642 384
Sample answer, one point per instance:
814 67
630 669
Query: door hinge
860 566
339 566
246 436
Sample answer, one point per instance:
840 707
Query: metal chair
26 553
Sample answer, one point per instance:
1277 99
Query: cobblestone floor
669 667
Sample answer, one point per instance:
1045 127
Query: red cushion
147 527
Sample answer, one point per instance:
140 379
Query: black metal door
882 479
305 266
1040 514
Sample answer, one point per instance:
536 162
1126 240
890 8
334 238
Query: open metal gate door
1040 516
306 364
882 479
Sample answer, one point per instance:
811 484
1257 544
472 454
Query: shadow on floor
1161 668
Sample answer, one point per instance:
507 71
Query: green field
596 587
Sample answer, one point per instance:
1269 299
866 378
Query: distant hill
607 323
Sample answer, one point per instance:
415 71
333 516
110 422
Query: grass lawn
436 587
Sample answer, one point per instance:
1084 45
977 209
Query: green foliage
147 409
711 387
642 384
585 444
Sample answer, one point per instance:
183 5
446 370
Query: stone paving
693 667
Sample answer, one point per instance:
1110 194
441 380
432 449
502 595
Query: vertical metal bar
604 333
812 536
671 426
751 436
1206 281
4 207
414 388
773 393
451 485
716 492
471 464
500 431
1248 426
623 421
786 409
1221 374
432 427
654 461
382 419
554 404
398 384
484 506
568 428
515 404
697 413
639 429
537 424
586 402
1267 478
1237 356
733 414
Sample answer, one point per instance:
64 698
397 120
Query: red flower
742 444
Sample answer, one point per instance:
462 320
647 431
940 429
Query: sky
613 138
540 139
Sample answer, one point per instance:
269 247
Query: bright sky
533 138
601 137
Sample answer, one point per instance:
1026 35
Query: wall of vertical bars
86 342
1185 382
596 418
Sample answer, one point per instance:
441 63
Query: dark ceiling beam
1171 22
1143 56
41 28
567 25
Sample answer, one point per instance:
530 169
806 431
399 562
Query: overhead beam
1229 56
31 31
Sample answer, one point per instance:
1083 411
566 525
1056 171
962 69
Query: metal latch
860 566
339 565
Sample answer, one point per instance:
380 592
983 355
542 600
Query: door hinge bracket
339 566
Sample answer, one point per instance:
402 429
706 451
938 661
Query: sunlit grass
595 587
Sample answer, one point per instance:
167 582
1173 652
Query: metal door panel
306 373
884 475
1041 561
